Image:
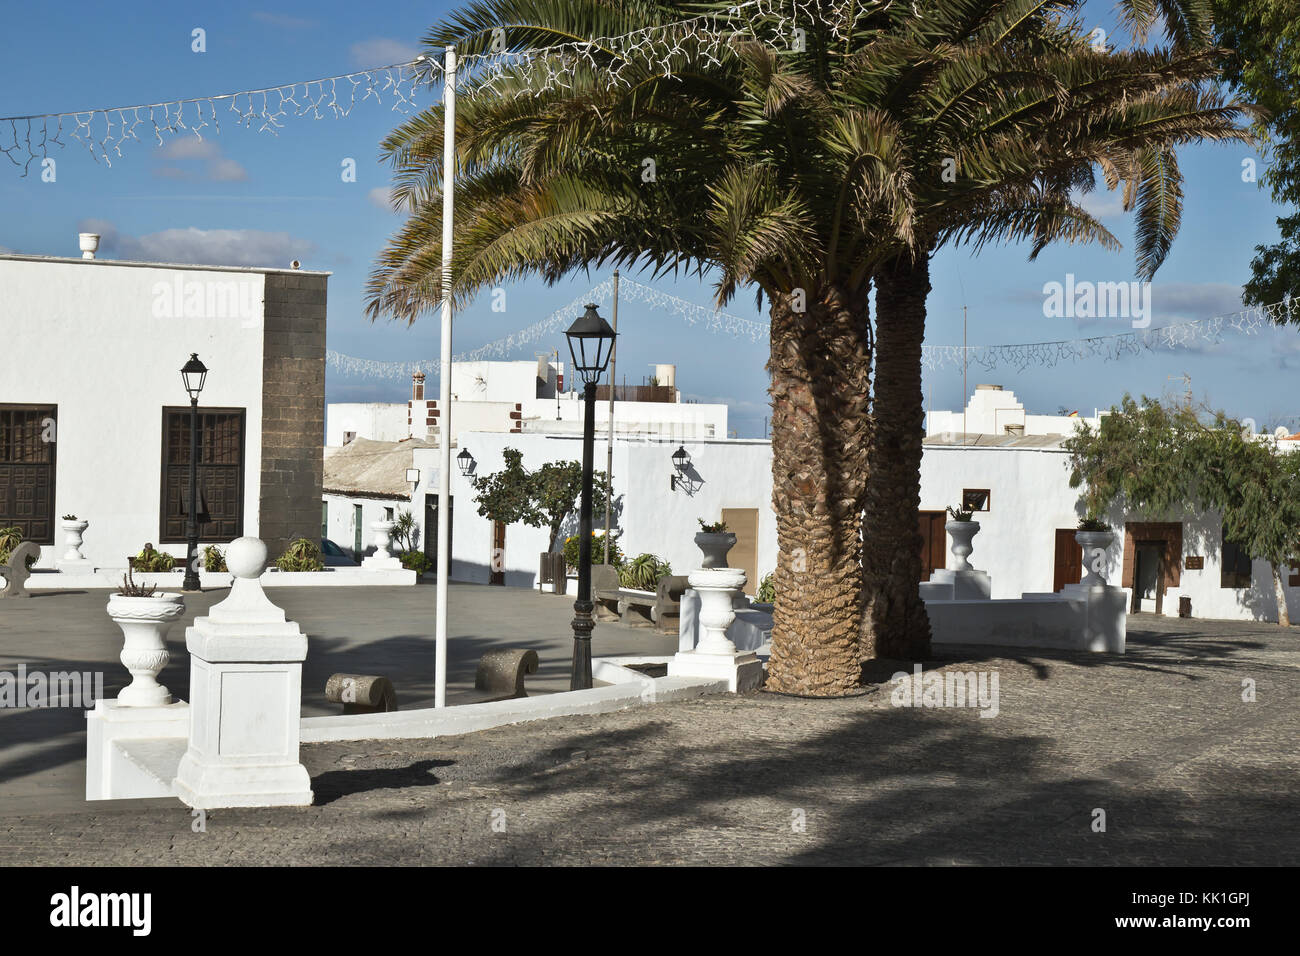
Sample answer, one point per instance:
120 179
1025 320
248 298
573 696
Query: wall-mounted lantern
681 461
465 461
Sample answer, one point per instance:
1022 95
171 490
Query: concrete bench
501 673
15 572
361 693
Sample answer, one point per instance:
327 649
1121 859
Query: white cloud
381 196
283 20
1103 203
194 246
189 147
382 51
199 160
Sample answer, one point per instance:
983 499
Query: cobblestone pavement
1160 739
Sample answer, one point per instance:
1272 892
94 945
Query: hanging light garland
104 132
27 139
933 357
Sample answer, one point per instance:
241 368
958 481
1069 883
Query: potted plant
144 617
963 529
73 529
1095 537
715 541
301 555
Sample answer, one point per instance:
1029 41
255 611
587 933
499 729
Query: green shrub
301 555
11 538
643 572
417 561
214 559
151 559
717 527
572 542
766 593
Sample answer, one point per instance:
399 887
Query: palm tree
796 171
991 160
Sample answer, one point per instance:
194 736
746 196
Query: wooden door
934 542
743 523
1147 552
497 566
1069 559
431 527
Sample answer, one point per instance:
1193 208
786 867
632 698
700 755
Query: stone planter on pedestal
73 559
962 533
246 688
1094 544
144 622
715 655
962 582
382 559
715 546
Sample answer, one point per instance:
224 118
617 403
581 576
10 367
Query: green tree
556 488
540 499
1262 58
506 495
1160 460
803 172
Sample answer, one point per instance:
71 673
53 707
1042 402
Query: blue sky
252 198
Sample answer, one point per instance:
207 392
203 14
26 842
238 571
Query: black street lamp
194 374
591 341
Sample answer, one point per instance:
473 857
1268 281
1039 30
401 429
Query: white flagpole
444 380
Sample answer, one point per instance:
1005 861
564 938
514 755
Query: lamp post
591 341
194 374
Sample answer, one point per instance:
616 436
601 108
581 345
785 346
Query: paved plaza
1160 739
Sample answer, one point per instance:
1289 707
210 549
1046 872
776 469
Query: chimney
417 387
89 243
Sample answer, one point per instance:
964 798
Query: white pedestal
715 656
742 671
246 689
118 735
381 561
955 585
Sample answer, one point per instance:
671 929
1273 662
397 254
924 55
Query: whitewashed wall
378 421
84 336
736 474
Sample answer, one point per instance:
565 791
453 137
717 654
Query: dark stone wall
293 409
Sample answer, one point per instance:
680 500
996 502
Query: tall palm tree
795 170
969 110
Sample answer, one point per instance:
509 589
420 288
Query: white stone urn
716 587
962 532
382 535
715 546
144 622
1093 542
73 530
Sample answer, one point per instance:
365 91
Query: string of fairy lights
1020 356
106 131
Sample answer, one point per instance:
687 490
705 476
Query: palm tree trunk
821 373
894 623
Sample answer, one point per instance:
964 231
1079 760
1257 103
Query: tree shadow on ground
896 786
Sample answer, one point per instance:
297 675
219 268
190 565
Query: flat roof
18 257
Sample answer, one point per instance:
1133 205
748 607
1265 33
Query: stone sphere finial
246 557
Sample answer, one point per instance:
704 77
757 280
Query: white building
95 420
1009 467
526 397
